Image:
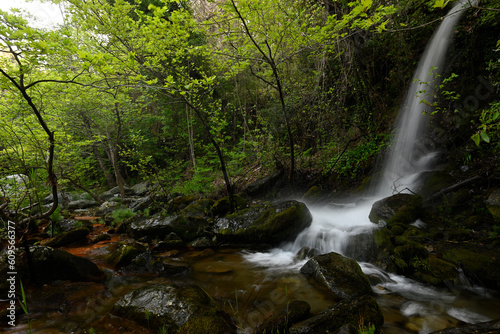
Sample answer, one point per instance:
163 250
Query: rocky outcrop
264 224
179 309
339 274
362 312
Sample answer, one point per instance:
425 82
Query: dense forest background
203 97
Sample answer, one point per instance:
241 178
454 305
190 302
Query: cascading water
410 152
342 229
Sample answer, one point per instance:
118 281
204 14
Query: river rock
146 263
264 224
399 208
339 274
363 311
180 202
66 238
179 309
123 253
222 206
490 327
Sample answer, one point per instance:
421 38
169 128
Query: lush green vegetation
194 95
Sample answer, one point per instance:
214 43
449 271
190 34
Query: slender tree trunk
191 138
109 178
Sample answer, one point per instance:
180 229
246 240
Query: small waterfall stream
341 229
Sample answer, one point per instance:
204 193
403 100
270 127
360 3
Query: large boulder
341 275
264 224
363 312
399 208
179 309
158 228
51 264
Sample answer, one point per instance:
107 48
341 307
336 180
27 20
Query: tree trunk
109 178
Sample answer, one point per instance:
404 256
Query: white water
411 152
333 230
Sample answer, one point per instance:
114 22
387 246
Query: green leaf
476 138
485 136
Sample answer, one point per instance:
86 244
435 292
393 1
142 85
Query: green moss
459 234
410 251
382 238
397 229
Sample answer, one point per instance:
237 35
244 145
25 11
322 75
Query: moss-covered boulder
339 274
360 312
400 208
312 194
123 253
264 224
198 208
479 263
280 322
178 309
66 238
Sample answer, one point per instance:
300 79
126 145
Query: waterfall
411 152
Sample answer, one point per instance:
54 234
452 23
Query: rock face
264 224
186 309
363 311
401 208
339 274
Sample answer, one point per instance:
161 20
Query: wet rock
82 204
306 253
66 238
400 208
293 313
101 237
180 309
339 274
264 224
123 253
490 327
157 228
172 241
66 225
203 242
363 311
313 194
263 185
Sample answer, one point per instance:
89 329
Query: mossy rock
493 204
398 229
123 253
157 228
479 263
413 232
382 238
198 208
411 251
180 202
67 238
400 208
222 207
439 271
264 224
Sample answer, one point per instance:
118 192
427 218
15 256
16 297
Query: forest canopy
199 97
